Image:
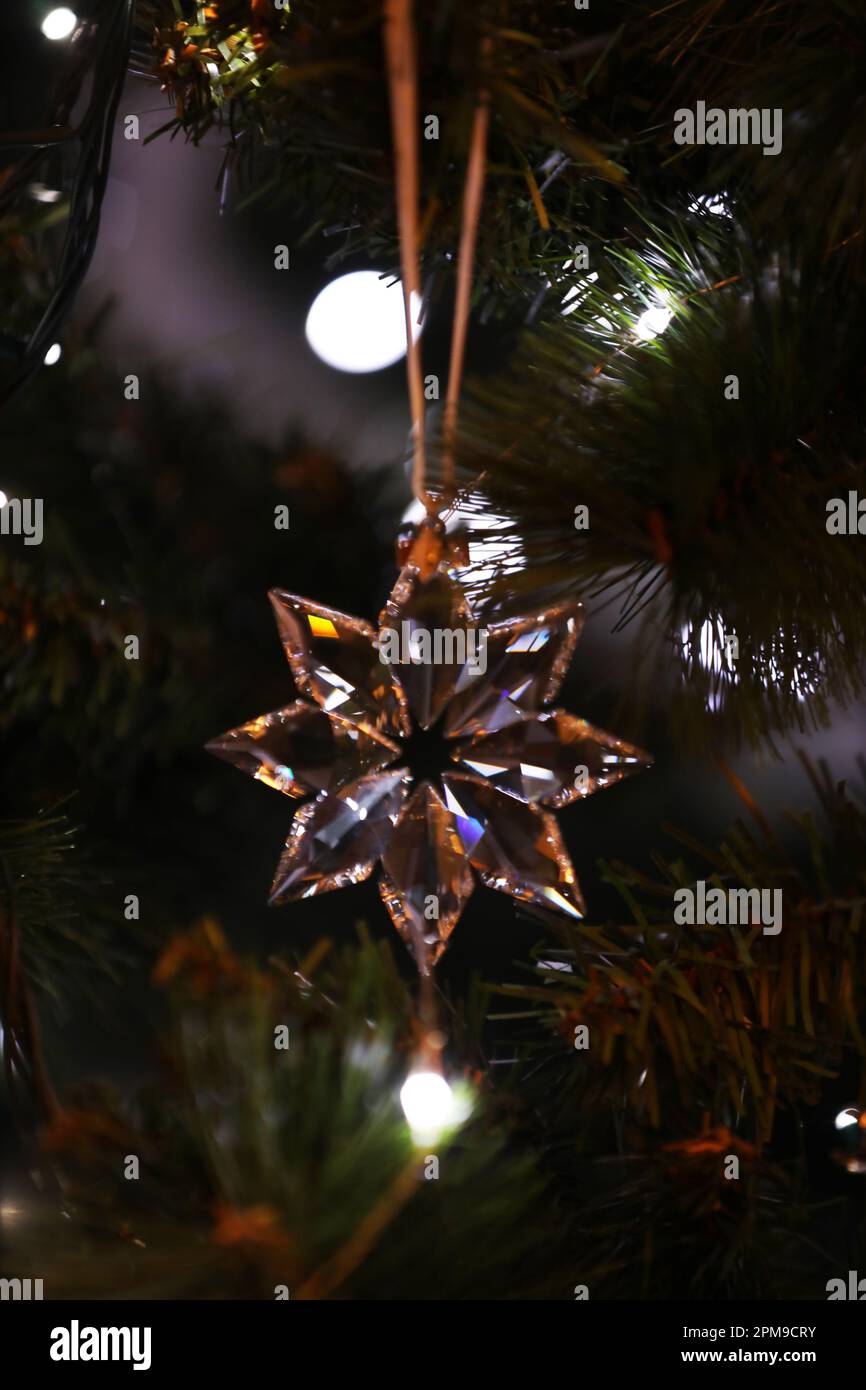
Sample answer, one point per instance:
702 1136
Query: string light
54 354
653 321
428 1104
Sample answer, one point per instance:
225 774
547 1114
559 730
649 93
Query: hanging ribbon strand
401 57
466 258
403 82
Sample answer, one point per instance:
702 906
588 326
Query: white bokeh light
848 1117
54 354
428 1104
3 500
59 23
357 322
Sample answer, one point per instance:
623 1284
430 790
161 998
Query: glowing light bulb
59 23
653 321
357 323
428 1104
54 354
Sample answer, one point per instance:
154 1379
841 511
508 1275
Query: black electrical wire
104 55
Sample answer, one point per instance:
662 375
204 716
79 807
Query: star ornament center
512 758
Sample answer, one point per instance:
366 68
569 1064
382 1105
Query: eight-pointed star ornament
514 756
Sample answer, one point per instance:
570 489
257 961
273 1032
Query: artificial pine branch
743 1030
805 60
55 896
302 99
725 1019
583 107
706 500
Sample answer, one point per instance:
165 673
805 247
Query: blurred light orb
848 1117
428 1104
357 323
3 500
42 194
54 354
59 23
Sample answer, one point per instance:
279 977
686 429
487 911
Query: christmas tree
580 401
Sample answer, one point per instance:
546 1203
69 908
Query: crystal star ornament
485 694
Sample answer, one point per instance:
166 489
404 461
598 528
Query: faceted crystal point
427 880
515 847
424 632
301 750
334 660
527 658
337 838
551 758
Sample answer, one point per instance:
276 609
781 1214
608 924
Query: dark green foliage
259 1166
664 1225
706 1042
138 497
722 1018
262 1167
803 58
56 893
